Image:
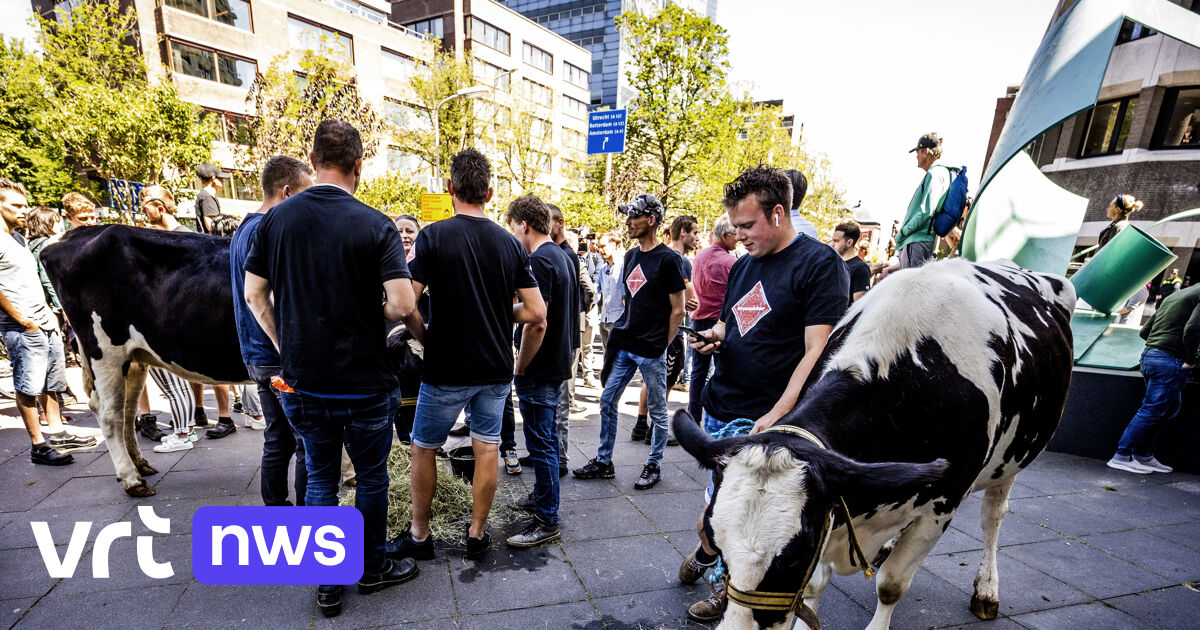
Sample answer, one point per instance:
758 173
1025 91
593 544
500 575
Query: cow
140 298
942 381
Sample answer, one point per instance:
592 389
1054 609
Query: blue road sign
606 131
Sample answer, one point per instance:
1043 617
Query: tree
393 193
589 209
288 109
520 141
432 84
28 152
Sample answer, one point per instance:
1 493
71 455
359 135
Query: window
304 35
204 63
235 13
235 185
405 116
433 27
574 107
1131 31
400 160
354 8
401 67
539 128
598 65
488 35
575 75
487 74
1107 127
589 41
569 13
1179 123
232 128
538 93
574 140
537 58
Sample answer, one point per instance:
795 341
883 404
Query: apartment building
541 86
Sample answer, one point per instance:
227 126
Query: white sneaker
191 436
258 424
1153 464
1129 465
173 443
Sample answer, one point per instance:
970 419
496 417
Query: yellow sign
435 207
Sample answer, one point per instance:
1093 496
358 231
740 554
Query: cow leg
895 576
135 382
109 405
985 603
822 573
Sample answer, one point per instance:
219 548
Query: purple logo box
277 545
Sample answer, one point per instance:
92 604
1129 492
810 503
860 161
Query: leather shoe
394 572
221 430
329 600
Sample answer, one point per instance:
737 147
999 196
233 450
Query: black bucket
462 462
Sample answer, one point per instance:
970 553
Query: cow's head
774 492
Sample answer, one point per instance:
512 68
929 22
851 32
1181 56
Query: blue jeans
438 407
539 400
38 363
654 373
280 442
365 424
699 373
1165 378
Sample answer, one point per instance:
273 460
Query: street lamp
475 91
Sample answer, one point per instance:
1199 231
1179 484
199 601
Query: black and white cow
141 298
944 380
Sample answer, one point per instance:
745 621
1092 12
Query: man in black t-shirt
781 303
845 243
654 308
325 256
473 269
207 206
544 361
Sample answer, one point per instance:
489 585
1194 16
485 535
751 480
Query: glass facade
587 23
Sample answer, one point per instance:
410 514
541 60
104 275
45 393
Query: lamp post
474 91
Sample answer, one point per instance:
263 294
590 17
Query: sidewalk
1083 546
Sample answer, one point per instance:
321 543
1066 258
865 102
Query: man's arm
692 302
258 297
714 337
12 312
857 294
1191 339
814 342
400 300
531 341
677 314
413 321
531 309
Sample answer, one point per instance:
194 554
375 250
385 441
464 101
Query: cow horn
708 452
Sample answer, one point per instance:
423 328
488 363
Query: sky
17 24
867 78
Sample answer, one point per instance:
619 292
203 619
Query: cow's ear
885 482
708 452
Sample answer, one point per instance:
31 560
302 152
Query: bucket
1120 268
462 462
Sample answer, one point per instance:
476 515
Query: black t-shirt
687 265
860 276
576 264
649 278
206 206
473 269
557 280
768 303
327 256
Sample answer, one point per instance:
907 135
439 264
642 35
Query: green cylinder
1120 268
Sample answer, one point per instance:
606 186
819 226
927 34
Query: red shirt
710 273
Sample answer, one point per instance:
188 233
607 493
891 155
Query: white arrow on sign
604 144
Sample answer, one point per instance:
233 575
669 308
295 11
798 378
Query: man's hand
1187 366
710 344
767 421
692 304
28 326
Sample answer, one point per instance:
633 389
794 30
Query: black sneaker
641 430
403 546
199 418
526 503
225 427
67 442
147 425
43 454
537 533
650 476
477 548
562 471
595 470
237 406
329 600
394 572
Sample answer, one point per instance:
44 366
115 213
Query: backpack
950 212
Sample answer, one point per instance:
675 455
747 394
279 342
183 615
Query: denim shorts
38 363
438 407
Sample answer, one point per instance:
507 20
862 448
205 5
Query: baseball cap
644 206
208 170
927 141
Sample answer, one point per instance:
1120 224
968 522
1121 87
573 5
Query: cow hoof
145 469
140 490
983 608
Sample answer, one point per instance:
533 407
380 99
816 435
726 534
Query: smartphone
692 333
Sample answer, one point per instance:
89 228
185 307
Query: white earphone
777 220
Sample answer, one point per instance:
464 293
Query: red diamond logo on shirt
751 308
635 281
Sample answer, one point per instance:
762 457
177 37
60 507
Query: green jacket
35 247
1175 326
917 226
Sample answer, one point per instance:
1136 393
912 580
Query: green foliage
28 153
288 109
440 79
392 194
589 209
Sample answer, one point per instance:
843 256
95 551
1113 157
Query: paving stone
1015 529
954 541
1125 507
12 609
1182 497
579 615
180 511
79 491
1146 550
837 610
1175 607
1022 588
672 480
654 610
572 489
684 541
145 607
123 568
693 470
428 596
1001 623
205 606
220 454
1105 576
618 566
1064 518
24 491
514 578
1187 534
191 484
23 573
1090 615
433 624
929 602
602 518
61 521
674 511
